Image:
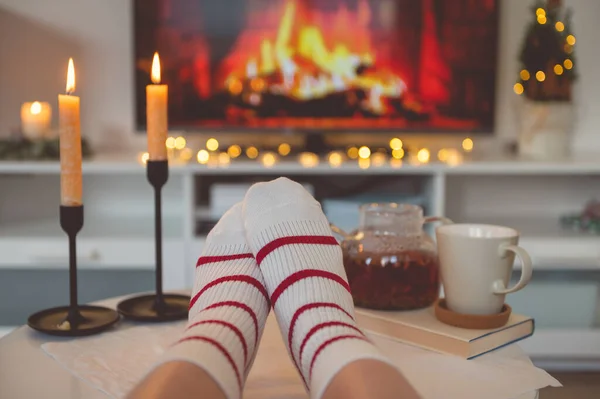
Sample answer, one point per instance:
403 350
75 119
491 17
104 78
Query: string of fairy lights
560 67
213 155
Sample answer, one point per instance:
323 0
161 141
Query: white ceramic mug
476 262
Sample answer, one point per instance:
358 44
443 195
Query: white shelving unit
552 247
527 195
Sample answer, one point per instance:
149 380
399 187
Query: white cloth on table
115 361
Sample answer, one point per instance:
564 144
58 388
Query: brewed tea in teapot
391 262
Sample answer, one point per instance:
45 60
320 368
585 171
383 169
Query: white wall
37 37
586 21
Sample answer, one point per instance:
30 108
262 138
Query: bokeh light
398 154
186 154
180 143
558 69
252 152
234 151
396 144
423 155
308 159
224 159
212 144
468 144
170 143
568 64
364 152
268 159
443 154
203 157
518 88
284 149
143 158
352 152
559 26
540 76
335 159
364 163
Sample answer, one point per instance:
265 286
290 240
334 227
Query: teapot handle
339 231
433 219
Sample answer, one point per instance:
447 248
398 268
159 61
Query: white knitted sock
228 309
302 266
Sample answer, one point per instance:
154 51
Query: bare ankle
370 379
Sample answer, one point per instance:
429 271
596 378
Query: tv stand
317 143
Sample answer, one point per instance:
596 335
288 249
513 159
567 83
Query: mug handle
526 271
433 219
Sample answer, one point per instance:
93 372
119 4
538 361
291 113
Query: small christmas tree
547 55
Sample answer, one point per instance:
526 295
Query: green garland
547 58
23 149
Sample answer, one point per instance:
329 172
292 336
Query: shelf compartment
563 344
96 226
94 253
108 242
551 247
104 242
43 289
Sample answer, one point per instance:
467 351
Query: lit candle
70 143
156 114
35 119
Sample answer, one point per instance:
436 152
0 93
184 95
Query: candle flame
155 75
36 108
70 77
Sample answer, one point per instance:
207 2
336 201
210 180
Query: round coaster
471 321
93 320
143 308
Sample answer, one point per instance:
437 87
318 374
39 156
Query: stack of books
421 328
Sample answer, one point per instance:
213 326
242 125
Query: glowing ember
299 64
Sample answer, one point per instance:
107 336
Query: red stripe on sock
318 327
239 278
212 259
303 309
242 306
304 274
222 349
232 328
279 242
326 344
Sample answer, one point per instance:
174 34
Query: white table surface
26 372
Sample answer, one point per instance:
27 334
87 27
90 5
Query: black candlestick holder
73 320
158 306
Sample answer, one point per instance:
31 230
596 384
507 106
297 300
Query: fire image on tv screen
419 65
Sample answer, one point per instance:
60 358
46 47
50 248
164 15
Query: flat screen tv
324 65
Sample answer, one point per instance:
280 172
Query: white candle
70 143
35 119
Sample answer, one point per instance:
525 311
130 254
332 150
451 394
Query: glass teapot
391 263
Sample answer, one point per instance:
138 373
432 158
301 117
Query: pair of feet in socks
274 249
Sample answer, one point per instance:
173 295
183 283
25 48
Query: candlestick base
74 320
158 306
150 308
68 322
